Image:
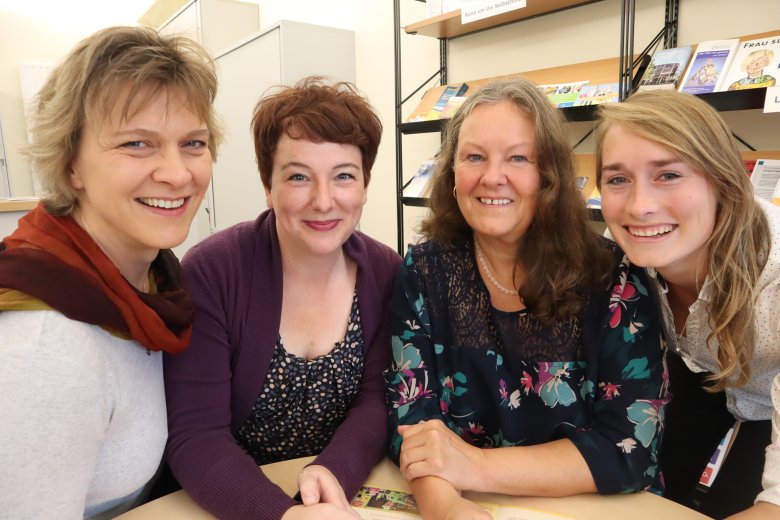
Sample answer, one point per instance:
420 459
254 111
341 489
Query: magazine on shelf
449 92
666 68
755 64
373 503
708 66
563 94
453 104
597 94
419 186
765 177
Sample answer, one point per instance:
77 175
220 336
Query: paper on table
373 503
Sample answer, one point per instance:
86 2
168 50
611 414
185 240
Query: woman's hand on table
318 485
432 449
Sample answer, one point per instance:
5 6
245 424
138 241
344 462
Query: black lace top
505 379
302 401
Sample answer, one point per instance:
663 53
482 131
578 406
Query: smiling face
317 193
496 179
140 181
659 209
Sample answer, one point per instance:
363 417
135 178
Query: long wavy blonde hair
739 245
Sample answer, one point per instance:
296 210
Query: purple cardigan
235 278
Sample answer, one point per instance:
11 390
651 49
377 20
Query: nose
172 169
323 197
493 174
642 200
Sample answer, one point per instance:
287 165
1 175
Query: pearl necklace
489 273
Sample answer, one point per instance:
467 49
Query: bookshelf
448 26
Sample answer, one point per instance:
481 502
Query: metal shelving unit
447 26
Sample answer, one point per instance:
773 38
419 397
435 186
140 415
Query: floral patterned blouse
505 379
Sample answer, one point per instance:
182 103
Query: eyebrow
660 163
295 164
146 132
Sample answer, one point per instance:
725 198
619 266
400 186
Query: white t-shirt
82 418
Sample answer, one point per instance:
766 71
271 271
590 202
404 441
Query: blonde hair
136 61
559 252
739 245
757 55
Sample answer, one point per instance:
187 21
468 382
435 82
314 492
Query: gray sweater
82 418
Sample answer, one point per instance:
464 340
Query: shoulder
381 256
225 256
235 240
433 251
772 213
55 355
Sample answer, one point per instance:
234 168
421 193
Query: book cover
450 91
453 104
597 94
755 64
419 185
563 94
708 66
666 68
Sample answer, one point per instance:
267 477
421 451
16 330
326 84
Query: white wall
582 34
43 31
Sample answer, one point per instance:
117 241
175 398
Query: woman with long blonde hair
676 198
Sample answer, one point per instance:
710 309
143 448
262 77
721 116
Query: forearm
434 496
552 469
760 511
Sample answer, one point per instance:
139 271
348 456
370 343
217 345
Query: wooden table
638 506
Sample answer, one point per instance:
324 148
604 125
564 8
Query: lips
322 225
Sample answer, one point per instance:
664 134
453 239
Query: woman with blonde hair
676 198
123 140
517 328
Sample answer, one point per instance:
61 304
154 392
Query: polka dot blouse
302 401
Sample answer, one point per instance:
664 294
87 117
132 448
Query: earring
454 194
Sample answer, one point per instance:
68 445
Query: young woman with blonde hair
676 198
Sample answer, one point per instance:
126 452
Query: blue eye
670 176
194 143
473 157
519 159
617 179
345 176
136 145
297 177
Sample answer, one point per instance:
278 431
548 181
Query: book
597 94
666 68
755 64
708 66
373 503
449 91
419 185
563 94
453 104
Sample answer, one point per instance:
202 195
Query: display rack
624 69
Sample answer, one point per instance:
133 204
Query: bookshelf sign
474 10
772 101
